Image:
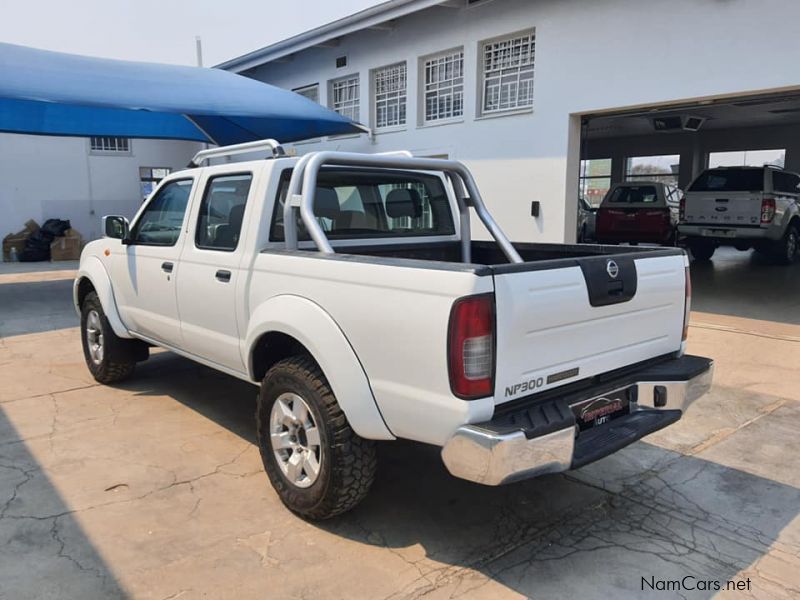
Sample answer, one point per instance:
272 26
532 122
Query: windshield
729 180
352 203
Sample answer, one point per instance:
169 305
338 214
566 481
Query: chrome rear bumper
485 455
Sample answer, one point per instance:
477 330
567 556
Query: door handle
223 275
167 267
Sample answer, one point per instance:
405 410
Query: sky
164 30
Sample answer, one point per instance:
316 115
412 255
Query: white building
80 179
522 90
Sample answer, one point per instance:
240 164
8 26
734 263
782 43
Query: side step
598 442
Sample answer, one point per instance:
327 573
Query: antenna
198 43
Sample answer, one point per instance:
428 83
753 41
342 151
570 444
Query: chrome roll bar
303 186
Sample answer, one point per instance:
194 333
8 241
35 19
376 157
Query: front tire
317 464
102 348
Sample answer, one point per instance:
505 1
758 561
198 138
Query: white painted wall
44 177
590 56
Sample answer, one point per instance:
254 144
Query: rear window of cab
729 180
633 194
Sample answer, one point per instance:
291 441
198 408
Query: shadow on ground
645 513
35 307
53 552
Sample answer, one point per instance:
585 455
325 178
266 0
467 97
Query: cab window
219 223
160 223
354 203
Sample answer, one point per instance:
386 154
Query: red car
642 211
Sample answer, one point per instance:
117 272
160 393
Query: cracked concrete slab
154 489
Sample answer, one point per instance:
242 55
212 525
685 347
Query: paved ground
154 489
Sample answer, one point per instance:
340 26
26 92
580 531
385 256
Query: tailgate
723 208
559 325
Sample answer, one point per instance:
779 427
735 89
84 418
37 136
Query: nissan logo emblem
612 269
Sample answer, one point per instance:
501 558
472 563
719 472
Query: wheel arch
92 276
288 325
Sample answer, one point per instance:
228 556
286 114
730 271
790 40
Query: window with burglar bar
390 85
345 97
507 71
444 86
110 144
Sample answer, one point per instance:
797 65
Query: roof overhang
370 17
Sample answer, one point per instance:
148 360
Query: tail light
767 210
687 304
471 348
682 209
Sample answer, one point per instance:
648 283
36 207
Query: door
210 271
146 269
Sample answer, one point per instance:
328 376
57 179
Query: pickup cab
744 207
350 289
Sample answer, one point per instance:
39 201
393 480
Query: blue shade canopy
51 93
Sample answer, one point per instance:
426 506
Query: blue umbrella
51 93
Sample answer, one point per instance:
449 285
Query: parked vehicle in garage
642 211
745 207
349 288
586 221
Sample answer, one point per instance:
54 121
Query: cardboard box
67 247
17 240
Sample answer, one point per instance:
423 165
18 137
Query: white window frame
304 89
500 73
387 98
110 145
442 88
349 107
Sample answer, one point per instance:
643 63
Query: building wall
590 57
44 177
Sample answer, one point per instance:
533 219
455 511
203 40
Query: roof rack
272 145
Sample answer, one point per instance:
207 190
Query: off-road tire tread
109 371
353 459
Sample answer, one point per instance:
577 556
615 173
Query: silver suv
744 207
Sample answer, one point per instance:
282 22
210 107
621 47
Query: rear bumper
542 437
730 235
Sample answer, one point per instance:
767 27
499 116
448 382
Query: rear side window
351 204
729 180
785 182
219 223
634 194
160 223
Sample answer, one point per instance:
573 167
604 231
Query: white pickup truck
349 288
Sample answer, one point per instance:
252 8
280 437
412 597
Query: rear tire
317 464
702 250
786 250
102 348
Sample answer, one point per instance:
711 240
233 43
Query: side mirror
115 227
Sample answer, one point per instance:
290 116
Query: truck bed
488 254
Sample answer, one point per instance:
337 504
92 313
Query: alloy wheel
295 440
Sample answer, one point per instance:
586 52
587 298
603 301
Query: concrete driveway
154 488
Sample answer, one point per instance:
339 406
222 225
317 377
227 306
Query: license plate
602 409
719 233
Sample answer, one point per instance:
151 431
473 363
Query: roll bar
303 186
